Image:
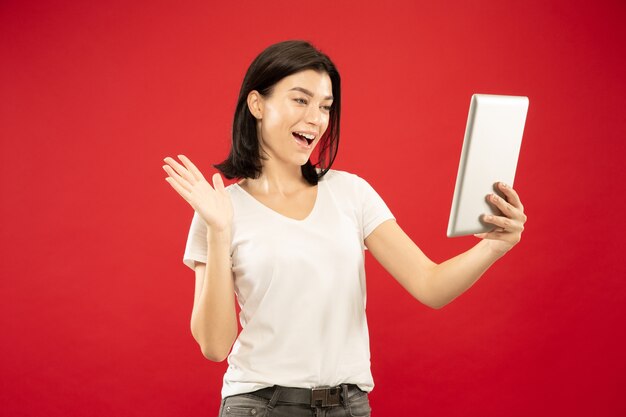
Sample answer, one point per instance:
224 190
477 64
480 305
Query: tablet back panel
493 137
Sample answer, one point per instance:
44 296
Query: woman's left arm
435 285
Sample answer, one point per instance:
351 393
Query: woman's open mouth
303 140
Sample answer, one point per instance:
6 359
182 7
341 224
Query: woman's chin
302 162
302 158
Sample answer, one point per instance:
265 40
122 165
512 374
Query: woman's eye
303 101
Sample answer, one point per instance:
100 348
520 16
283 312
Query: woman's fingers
218 182
491 219
509 210
181 170
512 196
504 223
493 234
192 168
179 189
506 230
509 226
177 178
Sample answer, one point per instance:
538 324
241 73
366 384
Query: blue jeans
248 404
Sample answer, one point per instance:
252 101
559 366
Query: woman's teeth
302 140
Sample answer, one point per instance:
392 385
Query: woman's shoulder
230 188
338 177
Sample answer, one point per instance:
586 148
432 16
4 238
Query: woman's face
299 103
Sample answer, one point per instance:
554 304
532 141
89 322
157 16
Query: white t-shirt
301 287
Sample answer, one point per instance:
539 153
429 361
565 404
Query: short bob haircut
268 68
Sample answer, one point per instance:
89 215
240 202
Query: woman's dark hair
272 65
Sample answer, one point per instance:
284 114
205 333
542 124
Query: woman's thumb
218 182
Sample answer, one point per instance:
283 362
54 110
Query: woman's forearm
453 277
214 319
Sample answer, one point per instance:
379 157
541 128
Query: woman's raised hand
510 225
213 204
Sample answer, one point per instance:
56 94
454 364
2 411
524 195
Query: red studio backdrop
96 301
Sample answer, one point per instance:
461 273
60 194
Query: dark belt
323 396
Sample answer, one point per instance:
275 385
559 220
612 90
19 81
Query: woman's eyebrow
308 93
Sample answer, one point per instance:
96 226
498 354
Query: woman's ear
255 104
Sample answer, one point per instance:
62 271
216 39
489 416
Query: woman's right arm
214 318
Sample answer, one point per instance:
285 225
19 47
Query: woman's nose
313 115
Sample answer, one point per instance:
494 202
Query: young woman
289 238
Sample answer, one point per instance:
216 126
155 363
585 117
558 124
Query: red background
96 301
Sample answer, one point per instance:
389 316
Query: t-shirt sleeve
196 247
373 210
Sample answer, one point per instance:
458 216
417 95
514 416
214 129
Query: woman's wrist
495 252
218 236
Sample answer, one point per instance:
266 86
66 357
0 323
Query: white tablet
493 137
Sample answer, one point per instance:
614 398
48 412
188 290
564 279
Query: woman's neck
277 180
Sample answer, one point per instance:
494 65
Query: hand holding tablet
489 156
